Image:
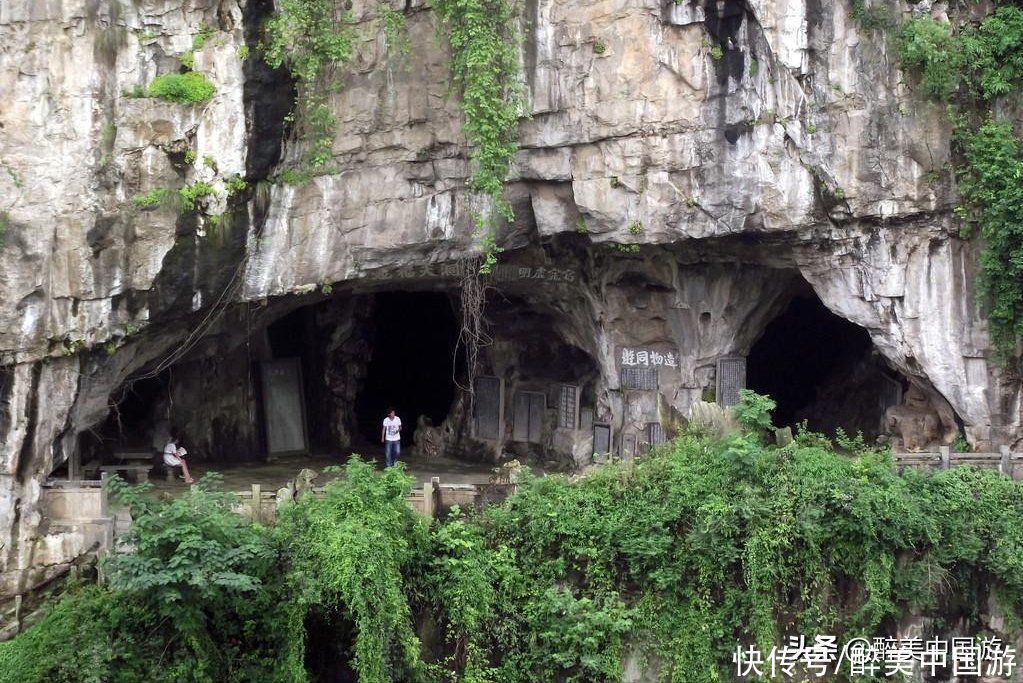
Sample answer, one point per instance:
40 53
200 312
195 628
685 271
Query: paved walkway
273 475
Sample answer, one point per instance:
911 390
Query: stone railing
261 505
1005 461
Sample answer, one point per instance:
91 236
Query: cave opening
135 417
822 369
412 365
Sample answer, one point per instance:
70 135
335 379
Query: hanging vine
313 39
971 68
484 63
484 43
472 335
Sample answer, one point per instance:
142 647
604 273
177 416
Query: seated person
174 456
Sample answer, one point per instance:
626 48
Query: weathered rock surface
798 152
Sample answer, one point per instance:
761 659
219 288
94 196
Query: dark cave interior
412 365
821 368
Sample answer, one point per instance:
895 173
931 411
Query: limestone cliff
751 151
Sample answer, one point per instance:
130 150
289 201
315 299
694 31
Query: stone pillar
256 503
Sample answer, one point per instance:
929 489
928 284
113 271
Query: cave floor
276 474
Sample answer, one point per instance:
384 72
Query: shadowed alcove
412 362
823 369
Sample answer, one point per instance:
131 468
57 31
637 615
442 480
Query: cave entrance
412 364
136 423
823 369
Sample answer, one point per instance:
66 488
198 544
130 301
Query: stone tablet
528 416
654 434
568 406
488 408
284 406
601 438
731 378
644 379
628 446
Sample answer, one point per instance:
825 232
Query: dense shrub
187 88
678 555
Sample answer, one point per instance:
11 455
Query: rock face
687 170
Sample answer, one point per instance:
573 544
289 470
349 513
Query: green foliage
193 595
200 38
599 47
995 51
625 248
716 53
680 555
484 63
235 184
635 228
350 549
991 183
190 194
969 69
872 17
291 176
926 46
184 198
242 52
91 634
186 88
186 552
395 30
753 410
960 444
158 197
5 225
312 38
190 156
975 63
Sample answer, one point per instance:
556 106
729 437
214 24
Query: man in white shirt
390 436
174 456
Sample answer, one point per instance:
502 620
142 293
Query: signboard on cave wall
639 367
647 357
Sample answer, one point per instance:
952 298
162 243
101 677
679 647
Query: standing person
390 436
174 456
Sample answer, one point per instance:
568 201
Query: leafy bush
990 182
350 550
88 635
158 197
928 47
194 594
678 555
754 410
190 194
187 88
